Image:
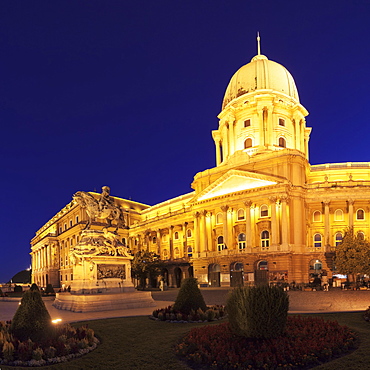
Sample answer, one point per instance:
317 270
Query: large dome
260 73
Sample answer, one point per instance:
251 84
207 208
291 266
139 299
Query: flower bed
169 314
66 343
306 343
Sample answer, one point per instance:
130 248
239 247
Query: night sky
126 93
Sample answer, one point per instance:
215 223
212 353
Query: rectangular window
76 219
247 123
281 122
71 277
70 223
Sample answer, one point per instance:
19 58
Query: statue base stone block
101 276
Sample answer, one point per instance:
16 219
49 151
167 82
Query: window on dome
281 122
247 123
248 143
282 142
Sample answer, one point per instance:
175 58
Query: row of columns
203 233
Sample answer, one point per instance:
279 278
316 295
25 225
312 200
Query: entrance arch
178 276
236 274
261 272
214 275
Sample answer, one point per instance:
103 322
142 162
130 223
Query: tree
146 265
352 256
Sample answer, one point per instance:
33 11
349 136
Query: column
225 142
196 233
284 222
224 224
326 224
231 136
350 212
274 233
209 231
171 241
248 225
218 152
203 231
230 229
158 236
185 240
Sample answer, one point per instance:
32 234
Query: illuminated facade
262 214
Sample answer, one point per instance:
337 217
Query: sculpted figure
104 208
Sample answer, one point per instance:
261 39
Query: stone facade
262 214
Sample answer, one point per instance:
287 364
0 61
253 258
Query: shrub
49 289
210 315
32 319
34 287
8 351
18 289
258 312
1 293
189 297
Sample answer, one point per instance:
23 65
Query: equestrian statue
102 208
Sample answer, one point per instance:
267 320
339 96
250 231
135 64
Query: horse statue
102 210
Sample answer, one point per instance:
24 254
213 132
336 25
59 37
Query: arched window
282 142
190 252
262 265
360 214
219 218
176 236
76 219
338 238
70 223
154 240
165 254
241 214
189 233
317 240
338 215
220 243
360 235
265 239
281 122
241 241
124 241
248 143
264 211
317 216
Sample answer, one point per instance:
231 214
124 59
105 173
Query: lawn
140 343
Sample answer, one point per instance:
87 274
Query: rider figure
105 200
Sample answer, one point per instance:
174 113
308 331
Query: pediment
234 181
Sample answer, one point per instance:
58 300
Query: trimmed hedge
189 297
258 312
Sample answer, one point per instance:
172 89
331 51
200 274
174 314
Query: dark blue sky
126 93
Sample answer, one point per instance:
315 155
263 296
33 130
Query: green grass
140 343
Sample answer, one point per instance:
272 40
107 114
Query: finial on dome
258 44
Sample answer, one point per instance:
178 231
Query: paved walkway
7 310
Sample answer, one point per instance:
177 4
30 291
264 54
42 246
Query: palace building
263 213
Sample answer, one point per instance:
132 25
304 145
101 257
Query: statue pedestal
101 277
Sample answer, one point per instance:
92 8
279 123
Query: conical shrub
258 312
32 319
189 297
